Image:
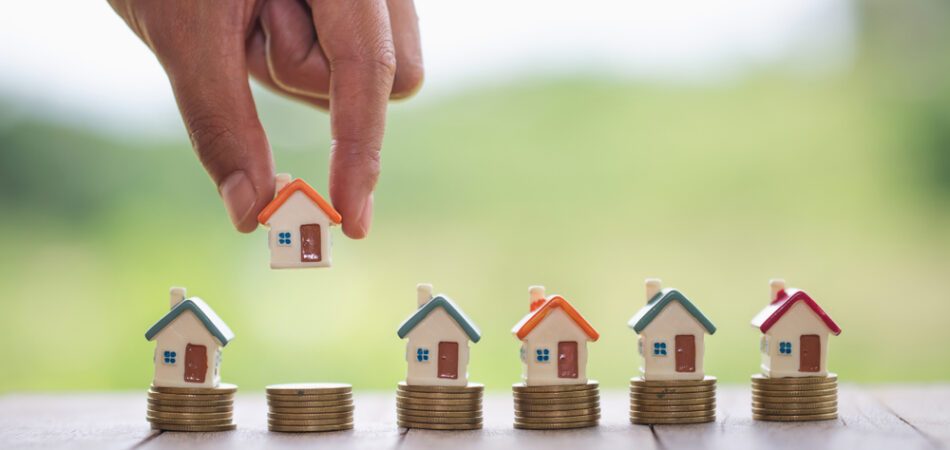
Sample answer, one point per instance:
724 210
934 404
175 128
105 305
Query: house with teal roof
188 341
671 333
437 333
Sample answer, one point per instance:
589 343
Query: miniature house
671 333
189 340
554 340
299 220
794 334
437 349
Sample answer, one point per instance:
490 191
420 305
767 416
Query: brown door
567 359
196 363
449 360
685 353
809 358
310 243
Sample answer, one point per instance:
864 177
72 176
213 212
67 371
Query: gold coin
174 427
670 414
309 388
223 388
791 405
447 414
190 409
759 378
791 418
309 429
706 381
679 396
555 425
672 389
671 402
556 395
672 421
521 387
177 416
440 426
671 408
793 412
224 421
795 387
559 404
318 416
553 415
809 399
310 411
191 403
308 404
309 422
424 388
197 397
310 397
815 393
440 395
435 401
566 419
475 407
446 420
556 401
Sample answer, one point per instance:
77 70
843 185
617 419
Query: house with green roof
437 333
188 343
671 333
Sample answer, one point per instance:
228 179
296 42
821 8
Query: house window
523 352
640 346
785 348
659 349
422 354
764 345
542 355
170 357
283 238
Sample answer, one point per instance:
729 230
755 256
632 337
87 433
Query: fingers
357 40
214 98
405 24
257 66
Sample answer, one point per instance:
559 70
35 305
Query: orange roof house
299 220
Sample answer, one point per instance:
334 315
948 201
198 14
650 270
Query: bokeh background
712 144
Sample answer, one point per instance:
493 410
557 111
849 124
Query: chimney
536 297
177 294
423 294
777 285
281 180
653 287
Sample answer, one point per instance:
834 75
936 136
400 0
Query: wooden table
892 417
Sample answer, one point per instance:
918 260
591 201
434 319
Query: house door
685 353
196 363
809 358
310 247
567 359
448 360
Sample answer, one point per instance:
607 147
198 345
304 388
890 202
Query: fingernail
366 217
238 195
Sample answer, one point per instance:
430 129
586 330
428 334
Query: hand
367 52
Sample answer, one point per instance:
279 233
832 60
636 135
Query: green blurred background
587 184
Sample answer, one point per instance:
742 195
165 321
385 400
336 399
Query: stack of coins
309 407
191 409
794 399
439 407
672 401
556 407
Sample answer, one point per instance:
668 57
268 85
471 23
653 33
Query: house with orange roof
299 222
554 339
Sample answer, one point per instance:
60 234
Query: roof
287 191
537 315
782 303
441 301
205 314
645 315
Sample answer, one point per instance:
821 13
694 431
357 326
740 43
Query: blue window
422 354
170 357
542 355
522 354
640 346
785 348
283 238
659 349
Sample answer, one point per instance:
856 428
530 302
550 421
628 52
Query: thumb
218 109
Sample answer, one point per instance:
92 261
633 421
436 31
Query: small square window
785 348
422 354
169 357
659 349
283 238
542 355
523 357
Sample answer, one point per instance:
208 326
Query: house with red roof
554 339
794 334
299 220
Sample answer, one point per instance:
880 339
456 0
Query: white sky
72 58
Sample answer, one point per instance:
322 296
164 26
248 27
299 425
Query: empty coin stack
672 401
439 407
556 407
191 409
794 399
309 407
